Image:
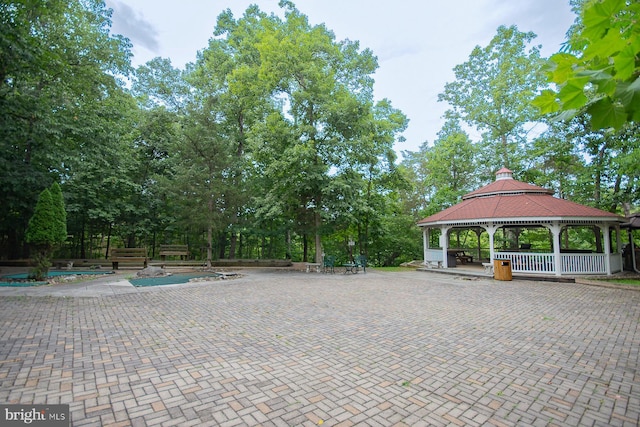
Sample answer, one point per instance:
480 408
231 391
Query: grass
394 269
633 282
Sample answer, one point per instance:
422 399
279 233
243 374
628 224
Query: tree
57 59
46 229
555 159
325 91
61 213
226 82
599 74
443 172
493 91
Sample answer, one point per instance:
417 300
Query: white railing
571 263
584 263
528 262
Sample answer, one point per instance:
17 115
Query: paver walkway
290 349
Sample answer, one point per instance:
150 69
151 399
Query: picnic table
461 256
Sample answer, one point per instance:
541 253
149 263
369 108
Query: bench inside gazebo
525 224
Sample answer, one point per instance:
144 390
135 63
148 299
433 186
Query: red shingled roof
507 198
503 186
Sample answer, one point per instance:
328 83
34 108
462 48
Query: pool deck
283 348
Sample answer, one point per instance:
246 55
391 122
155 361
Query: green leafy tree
57 58
61 213
104 192
325 91
444 171
226 81
493 92
599 73
555 160
45 230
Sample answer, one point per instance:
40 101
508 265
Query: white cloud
133 25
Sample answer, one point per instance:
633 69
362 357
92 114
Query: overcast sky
417 42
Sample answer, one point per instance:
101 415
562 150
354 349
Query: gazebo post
425 244
491 229
444 243
556 228
478 232
607 249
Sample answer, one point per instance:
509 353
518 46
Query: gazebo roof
509 199
633 222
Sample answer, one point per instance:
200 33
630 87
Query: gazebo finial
504 173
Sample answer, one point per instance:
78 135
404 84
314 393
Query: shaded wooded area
270 144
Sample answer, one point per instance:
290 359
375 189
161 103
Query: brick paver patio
289 349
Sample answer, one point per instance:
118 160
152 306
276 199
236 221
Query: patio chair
361 262
329 264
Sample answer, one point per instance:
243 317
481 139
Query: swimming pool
22 279
174 279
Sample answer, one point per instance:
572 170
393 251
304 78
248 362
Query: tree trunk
318 224
210 235
106 255
305 248
222 245
209 245
599 243
83 253
232 245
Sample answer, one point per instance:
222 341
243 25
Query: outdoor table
350 268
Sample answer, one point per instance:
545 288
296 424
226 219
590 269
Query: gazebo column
478 232
556 229
444 244
607 249
618 252
491 230
425 244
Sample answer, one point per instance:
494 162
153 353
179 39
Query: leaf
564 69
625 63
572 93
546 102
605 114
629 95
566 115
597 17
607 47
605 83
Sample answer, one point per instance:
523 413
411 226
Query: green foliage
493 91
271 143
47 228
58 63
443 172
44 225
60 214
600 74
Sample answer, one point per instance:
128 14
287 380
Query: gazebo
526 224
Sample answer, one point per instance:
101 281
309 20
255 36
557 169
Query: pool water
22 279
174 279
